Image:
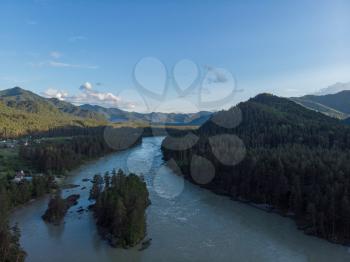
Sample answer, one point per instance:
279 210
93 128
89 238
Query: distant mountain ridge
23 112
334 105
333 89
118 115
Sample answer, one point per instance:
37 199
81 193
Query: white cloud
59 64
333 89
62 65
55 54
90 96
51 92
98 97
86 86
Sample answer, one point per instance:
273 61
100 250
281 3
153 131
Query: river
185 222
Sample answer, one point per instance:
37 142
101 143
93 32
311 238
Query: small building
19 176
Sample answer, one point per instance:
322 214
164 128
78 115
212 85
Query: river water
185 222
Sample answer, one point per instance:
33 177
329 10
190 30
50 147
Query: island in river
184 222
58 208
120 208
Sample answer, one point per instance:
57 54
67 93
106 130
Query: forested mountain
118 115
71 109
280 155
335 105
23 112
30 102
27 101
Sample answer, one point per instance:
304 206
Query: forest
296 162
52 156
12 195
119 210
60 155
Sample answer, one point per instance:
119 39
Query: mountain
118 115
23 112
333 89
346 121
71 109
335 105
30 102
27 101
275 154
111 114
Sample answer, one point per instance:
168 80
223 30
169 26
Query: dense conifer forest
296 161
121 202
11 195
60 155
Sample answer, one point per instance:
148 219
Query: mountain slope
23 112
30 102
281 156
78 111
27 101
335 105
118 115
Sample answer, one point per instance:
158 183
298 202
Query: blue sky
288 48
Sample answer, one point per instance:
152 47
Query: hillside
23 112
27 101
118 115
71 109
346 121
335 105
281 156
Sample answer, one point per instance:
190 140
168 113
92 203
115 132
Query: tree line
11 195
57 156
297 162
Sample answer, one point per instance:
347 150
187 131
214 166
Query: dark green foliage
64 154
297 162
10 250
20 193
58 208
120 210
13 194
97 184
23 112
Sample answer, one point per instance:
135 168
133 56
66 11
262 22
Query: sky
173 55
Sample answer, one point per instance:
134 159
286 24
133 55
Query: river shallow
186 222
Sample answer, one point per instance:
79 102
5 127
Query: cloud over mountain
88 95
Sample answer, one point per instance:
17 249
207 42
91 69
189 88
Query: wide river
186 222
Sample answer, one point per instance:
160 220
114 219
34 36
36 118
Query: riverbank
201 224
